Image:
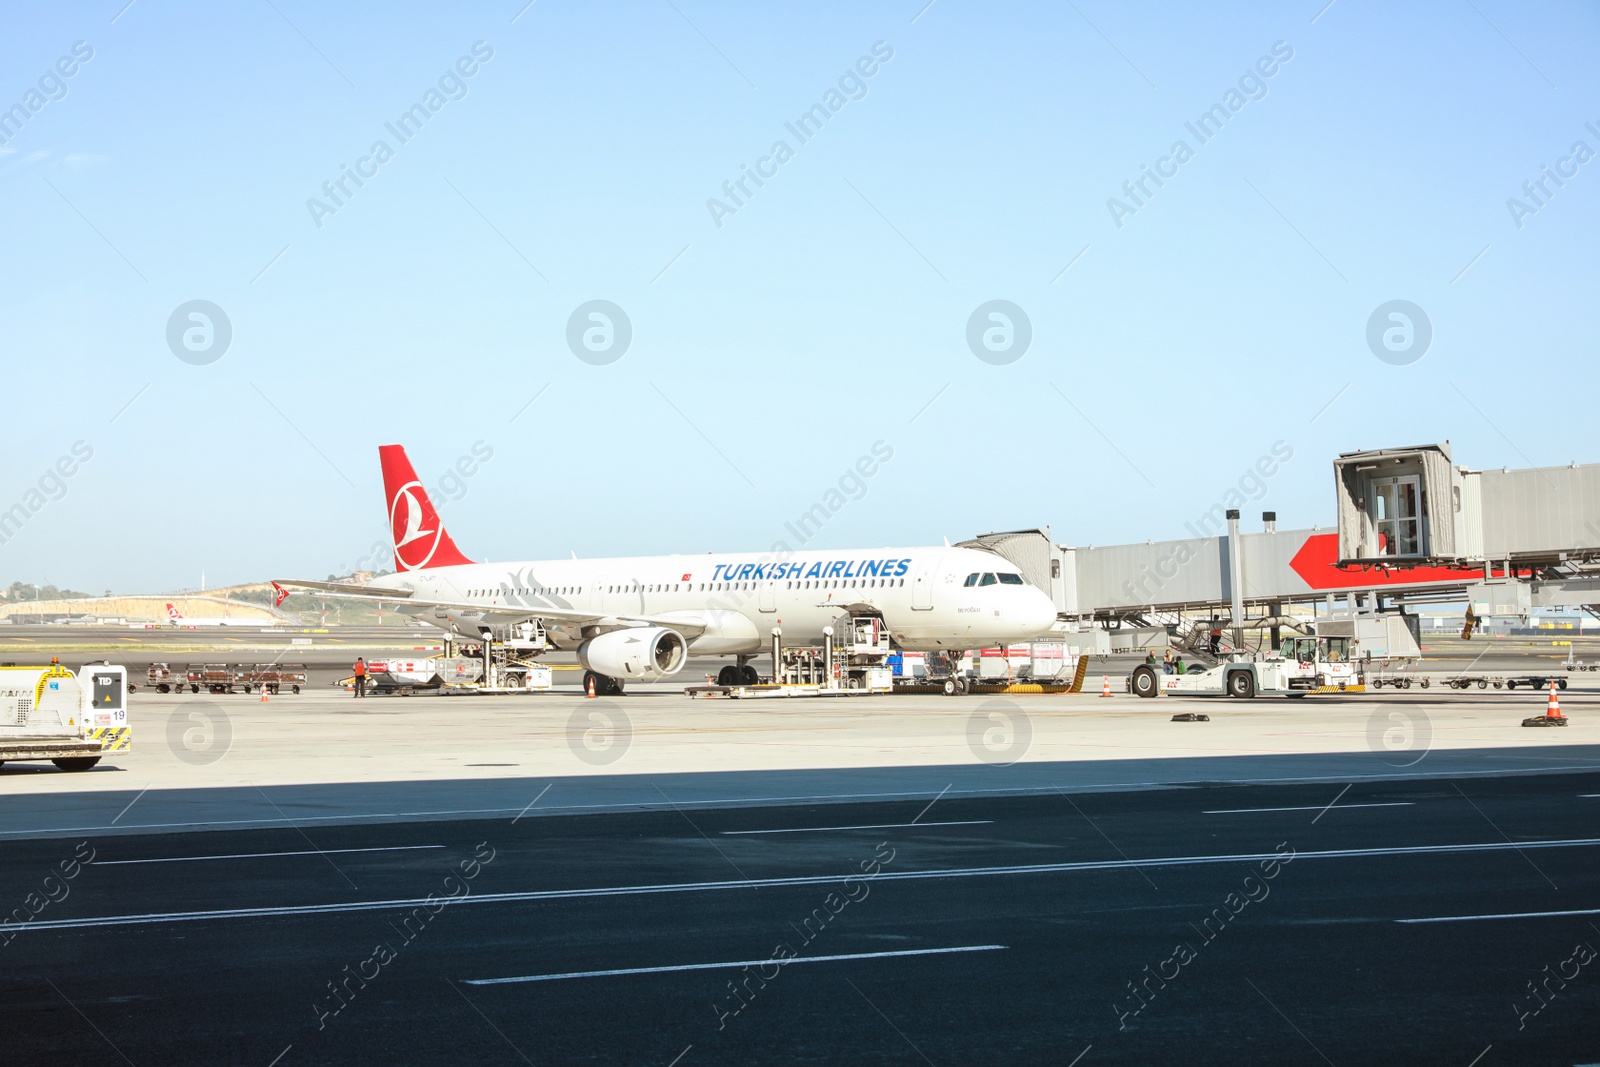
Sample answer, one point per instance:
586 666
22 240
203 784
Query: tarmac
1403 921
1054 879
203 761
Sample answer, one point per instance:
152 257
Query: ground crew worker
1216 641
1150 659
361 677
1177 665
1166 666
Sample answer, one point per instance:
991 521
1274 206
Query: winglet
419 537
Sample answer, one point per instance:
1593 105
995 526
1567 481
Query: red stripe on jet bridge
1317 564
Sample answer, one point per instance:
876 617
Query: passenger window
988 579
972 579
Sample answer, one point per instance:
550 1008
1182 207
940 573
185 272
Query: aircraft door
768 595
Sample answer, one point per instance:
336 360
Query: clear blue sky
821 316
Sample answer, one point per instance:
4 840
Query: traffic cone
1552 715
1105 685
264 695
590 688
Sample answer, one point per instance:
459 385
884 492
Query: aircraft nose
1038 612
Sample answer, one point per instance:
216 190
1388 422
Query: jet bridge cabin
1406 506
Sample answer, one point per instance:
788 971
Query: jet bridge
1412 527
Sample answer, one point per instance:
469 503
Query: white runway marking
265 855
1311 807
1503 915
731 963
813 879
869 826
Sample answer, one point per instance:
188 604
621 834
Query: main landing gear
600 685
740 674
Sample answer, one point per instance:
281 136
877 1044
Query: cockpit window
972 580
988 579
1011 579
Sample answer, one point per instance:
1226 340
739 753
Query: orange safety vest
360 669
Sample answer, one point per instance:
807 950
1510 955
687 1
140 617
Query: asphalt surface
992 930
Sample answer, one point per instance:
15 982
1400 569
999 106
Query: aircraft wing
360 592
507 613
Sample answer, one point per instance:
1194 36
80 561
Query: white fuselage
735 601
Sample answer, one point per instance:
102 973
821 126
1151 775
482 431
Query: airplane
178 618
639 618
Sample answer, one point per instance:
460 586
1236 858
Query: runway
1212 924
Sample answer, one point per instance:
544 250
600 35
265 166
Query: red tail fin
419 537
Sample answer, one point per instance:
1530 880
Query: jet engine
641 654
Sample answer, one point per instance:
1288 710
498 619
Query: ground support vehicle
272 677
456 675
1301 665
1535 681
1395 681
72 720
1497 681
161 678
214 678
853 660
506 674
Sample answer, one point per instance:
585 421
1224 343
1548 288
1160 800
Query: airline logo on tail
419 537
406 528
174 614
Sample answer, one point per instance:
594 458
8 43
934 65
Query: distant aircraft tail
174 614
419 537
